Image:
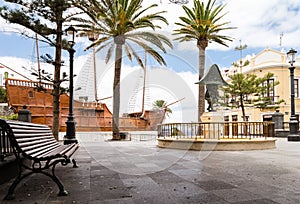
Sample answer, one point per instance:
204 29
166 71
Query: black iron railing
217 130
5 147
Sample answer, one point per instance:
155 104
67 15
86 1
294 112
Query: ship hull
89 116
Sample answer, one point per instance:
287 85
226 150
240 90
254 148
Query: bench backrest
32 140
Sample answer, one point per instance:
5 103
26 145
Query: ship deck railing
26 83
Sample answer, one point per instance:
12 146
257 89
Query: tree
3 98
251 90
123 26
45 18
159 104
203 25
45 77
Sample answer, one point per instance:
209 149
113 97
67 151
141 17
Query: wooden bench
36 143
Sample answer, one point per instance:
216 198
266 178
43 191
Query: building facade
276 62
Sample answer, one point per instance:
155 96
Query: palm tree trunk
201 88
116 92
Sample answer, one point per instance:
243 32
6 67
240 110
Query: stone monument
212 80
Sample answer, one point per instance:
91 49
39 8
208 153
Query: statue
213 79
211 96
208 99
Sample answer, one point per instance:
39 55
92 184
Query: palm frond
150 50
128 51
109 52
135 55
201 23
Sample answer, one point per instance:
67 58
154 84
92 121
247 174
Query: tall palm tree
203 25
123 25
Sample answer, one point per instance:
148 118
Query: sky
259 24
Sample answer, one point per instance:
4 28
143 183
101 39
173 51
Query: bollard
24 114
277 118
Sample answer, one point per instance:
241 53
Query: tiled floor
139 172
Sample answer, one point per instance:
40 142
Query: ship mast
93 37
95 75
38 57
144 85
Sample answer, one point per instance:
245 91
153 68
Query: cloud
18 67
259 23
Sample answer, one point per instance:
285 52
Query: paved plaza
137 171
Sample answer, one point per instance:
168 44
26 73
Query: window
296 86
30 94
270 90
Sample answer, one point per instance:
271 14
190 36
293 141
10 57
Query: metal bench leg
62 191
74 163
10 193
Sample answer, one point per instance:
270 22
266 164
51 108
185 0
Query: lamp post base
69 141
71 130
293 124
293 138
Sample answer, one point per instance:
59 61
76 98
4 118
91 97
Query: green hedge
11 117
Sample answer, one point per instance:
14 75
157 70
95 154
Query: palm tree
159 104
203 25
123 25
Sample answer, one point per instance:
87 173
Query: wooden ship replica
89 116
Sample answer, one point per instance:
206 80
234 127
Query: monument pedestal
214 117
213 125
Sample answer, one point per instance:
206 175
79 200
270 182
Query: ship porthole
30 94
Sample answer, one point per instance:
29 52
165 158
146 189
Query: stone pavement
139 172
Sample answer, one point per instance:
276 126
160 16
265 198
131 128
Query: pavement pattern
137 171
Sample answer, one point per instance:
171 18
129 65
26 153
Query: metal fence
217 130
5 147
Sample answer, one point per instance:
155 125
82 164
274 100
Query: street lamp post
71 123
293 124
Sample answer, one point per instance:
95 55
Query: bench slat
47 147
36 143
35 137
43 151
24 140
63 150
71 150
31 135
29 129
21 123
26 128
54 152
